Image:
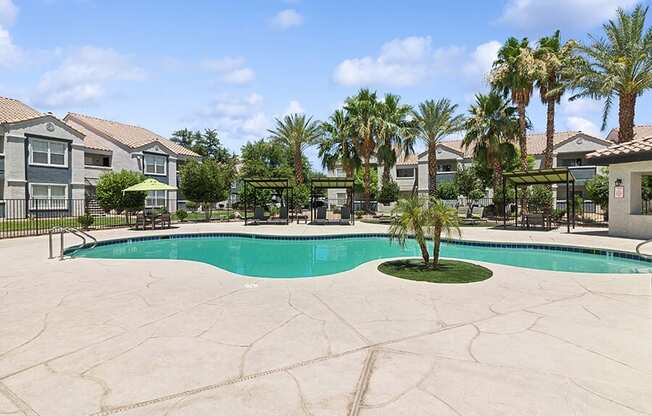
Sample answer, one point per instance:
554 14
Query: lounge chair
477 214
164 220
345 216
282 218
462 212
142 220
321 216
259 215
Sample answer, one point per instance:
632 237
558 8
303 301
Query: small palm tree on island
415 217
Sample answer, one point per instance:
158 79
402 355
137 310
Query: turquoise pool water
288 258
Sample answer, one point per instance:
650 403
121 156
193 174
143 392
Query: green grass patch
448 271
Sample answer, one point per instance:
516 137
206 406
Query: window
48 153
155 164
155 199
97 160
48 196
444 168
405 172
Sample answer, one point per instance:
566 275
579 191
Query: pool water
292 258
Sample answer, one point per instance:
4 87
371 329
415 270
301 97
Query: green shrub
85 221
389 192
192 206
110 195
540 198
447 190
498 199
597 189
181 215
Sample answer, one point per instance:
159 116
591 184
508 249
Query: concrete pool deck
153 337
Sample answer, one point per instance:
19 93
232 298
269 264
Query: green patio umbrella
150 185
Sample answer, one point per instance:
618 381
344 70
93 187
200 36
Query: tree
444 219
557 62
389 192
395 127
364 113
411 216
618 65
491 129
186 138
206 182
448 190
434 120
110 195
209 146
513 75
359 184
597 189
469 185
298 132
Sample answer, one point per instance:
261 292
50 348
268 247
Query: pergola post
516 202
244 191
504 203
568 217
573 196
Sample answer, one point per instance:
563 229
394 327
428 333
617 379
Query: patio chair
259 215
462 211
142 220
321 216
164 220
345 216
282 217
478 213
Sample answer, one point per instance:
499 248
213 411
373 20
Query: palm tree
411 217
395 126
620 65
444 218
491 128
434 121
298 132
557 63
513 74
337 145
364 113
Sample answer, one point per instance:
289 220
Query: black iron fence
31 217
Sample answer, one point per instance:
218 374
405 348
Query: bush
85 221
389 192
597 189
447 190
207 182
181 215
498 199
109 191
192 206
540 198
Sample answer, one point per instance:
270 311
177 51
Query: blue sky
235 66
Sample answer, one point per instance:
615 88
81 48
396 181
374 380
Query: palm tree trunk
349 192
386 177
522 136
497 176
298 165
436 247
626 112
366 177
424 252
432 168
550 134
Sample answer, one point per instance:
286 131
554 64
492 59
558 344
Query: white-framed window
405 172
155 199
48 153
48 196
155 164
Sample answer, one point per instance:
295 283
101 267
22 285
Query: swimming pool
294 257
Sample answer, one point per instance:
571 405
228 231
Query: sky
235 66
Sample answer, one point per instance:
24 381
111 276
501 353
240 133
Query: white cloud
294 107
583 125
232 70
406 62
554 14
8 12
9 52
287 18
84 76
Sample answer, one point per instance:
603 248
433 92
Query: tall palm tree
298 132
434 120
395 126
411 217
618 65
337 145
364 113
444 218
557 63
491 128
513 74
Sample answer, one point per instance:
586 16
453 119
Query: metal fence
31 217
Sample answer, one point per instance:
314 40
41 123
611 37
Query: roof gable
12 110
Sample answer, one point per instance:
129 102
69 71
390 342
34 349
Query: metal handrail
638 249
74 231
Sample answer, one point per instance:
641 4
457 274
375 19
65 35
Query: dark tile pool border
534 246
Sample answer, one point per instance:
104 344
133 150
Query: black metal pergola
278 185
320 184
541 177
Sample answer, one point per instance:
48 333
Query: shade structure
317 185
281 186
150 185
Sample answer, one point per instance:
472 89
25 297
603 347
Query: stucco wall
625 219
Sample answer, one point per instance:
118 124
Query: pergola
540 177
320 184
278 185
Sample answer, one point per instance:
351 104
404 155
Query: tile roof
12 110
126 134
623 150
91 139
536 143
640 132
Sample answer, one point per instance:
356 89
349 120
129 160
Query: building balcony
583 173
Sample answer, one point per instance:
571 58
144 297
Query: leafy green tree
467 180
389 192
209 146
448 190
298 132
618 65
540 198
395 128
444 219
360 185
186 138
364 112
110 195
435 120
206 182
597 189
557 63
411 217
513 75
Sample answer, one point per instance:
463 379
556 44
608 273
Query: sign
619 192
